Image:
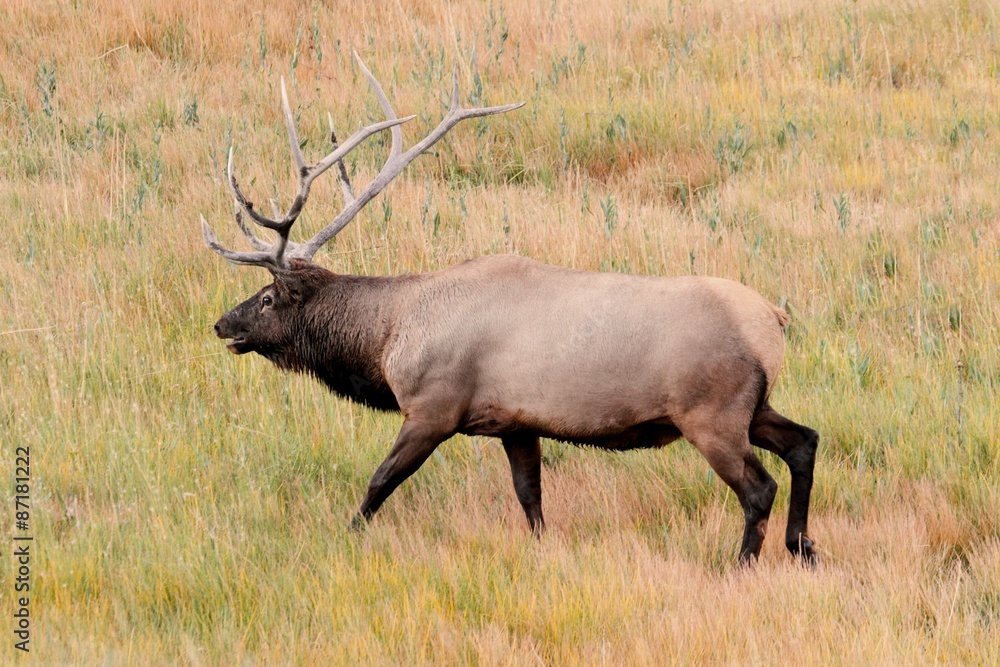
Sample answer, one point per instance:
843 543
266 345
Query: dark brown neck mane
339 334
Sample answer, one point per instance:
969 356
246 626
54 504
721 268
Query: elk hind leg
525 456
796 445
729 454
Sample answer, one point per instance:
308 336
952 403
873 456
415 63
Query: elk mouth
238 346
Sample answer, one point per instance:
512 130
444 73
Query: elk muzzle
224 329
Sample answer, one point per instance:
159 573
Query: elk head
263 323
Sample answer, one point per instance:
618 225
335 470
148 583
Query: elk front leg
525 456
416 441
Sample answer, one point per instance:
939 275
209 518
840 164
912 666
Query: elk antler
277 255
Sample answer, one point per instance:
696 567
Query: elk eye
265 300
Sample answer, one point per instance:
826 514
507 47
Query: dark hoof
358 524
808 560
804 551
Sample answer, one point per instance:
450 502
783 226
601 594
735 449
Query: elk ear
296 282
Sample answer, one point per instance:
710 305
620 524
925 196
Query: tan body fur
503 343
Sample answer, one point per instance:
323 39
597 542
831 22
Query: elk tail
781 314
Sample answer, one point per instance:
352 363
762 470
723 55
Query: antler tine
245 204
345 181
252 238
396 161
383 101
245 258
293 135
454 90
301 169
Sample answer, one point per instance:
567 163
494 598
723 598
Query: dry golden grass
190 507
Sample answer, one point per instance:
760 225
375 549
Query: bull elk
507 347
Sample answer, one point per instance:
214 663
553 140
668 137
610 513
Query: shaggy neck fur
339 333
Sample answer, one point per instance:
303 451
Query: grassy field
190 507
